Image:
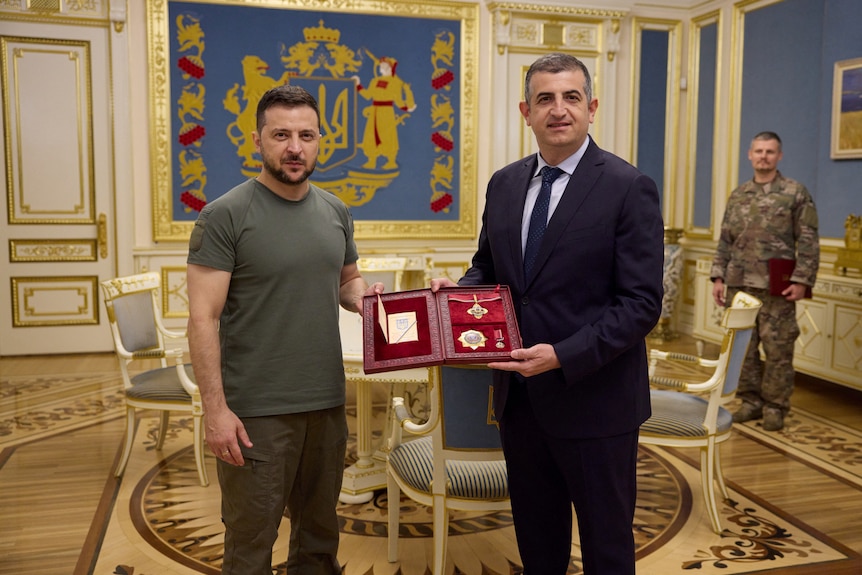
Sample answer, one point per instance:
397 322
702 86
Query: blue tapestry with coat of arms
387 87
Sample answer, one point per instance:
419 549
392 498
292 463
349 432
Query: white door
58 237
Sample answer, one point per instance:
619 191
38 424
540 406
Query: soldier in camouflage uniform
767 217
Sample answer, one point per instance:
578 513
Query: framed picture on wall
847 110
396 83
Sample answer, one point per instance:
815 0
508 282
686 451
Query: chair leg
131 422
199 451
719 474
393 498
163 428
707 475
441 534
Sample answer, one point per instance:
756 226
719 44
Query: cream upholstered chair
693 415
139 334
456 463
389 270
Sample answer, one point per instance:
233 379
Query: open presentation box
416 328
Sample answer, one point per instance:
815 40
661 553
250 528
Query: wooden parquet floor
796 505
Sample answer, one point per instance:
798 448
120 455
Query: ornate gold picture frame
396 83
847 110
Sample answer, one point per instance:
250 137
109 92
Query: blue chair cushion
681 415
161 384
414 462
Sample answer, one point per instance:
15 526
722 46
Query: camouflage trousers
769 381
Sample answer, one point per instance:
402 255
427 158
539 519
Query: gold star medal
472 339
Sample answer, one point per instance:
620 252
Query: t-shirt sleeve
351 254
212 243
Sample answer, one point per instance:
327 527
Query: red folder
780 272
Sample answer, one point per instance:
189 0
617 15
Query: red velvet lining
494 320
459 304
385 351
491 324
488 331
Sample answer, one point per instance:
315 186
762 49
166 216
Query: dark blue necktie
539 217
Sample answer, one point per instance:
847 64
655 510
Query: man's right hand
224 433
438 283
718 292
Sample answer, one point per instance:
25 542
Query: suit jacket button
525 300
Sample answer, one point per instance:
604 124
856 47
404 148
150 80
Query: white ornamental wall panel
52 301
50 176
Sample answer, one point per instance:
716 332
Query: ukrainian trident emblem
361 117
328 69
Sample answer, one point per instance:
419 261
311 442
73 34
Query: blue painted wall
651 106
704 147
789 54
840 180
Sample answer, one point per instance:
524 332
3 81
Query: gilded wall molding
54 301
672 29
175 294
35 195
59 250
539 28
77 12
545 9
695 126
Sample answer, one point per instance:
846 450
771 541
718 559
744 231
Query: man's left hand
530 361
794 292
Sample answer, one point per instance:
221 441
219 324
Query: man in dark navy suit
587 292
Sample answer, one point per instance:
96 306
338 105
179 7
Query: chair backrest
466 408
738 320
387 270
466 433
132 307
458 455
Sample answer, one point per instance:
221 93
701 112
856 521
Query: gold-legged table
368 474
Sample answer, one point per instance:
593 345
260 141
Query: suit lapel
581 185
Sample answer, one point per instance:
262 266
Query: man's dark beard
280 175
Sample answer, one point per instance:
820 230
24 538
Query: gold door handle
103 236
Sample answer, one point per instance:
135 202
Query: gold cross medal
477 311
472 339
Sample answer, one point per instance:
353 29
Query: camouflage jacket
760 225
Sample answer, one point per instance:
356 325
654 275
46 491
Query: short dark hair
288 96
767 136
555 63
